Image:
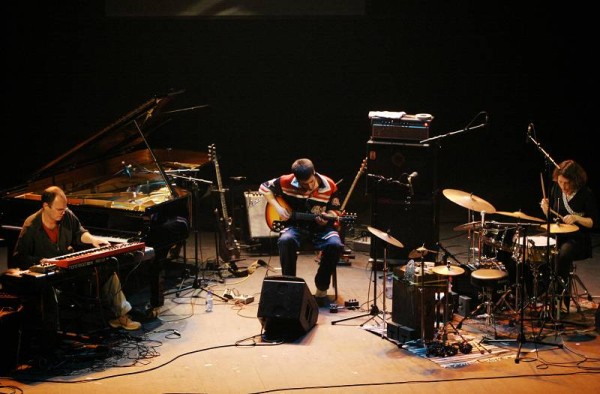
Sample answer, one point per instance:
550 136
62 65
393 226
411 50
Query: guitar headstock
348 218
363 166
212 153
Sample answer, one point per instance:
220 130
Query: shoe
126 323
320 293
323 302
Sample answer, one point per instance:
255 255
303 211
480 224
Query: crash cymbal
468 226
520 215
448 270
469 201
385 236
558 228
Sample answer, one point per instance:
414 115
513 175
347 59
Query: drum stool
488 280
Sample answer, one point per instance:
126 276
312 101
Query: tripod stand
374 312
194 208
545 307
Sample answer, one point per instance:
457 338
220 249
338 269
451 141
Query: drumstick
543 188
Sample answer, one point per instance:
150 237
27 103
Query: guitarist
301 192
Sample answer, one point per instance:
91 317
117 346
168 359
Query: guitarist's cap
303 169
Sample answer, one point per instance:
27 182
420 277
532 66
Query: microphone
529 129
486 118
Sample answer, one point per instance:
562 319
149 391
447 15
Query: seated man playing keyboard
54 230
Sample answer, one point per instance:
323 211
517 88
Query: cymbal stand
475 243
443 333
550 309
374 312
521 337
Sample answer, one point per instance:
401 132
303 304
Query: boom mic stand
521 338
384 236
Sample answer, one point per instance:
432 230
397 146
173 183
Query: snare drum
535 249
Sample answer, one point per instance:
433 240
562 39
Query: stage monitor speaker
287 310
389 165
414 224
256 205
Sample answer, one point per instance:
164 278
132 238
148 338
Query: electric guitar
229 247
276 224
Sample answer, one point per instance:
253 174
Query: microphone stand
521 337
467 128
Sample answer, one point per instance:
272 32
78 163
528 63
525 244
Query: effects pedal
351 304
243 299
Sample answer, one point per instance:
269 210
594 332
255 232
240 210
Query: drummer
573 202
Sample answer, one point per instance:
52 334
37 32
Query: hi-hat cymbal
520 215
385 236
557 228
469 201
448 270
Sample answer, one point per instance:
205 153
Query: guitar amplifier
399 126
256 207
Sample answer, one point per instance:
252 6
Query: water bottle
389 285
209 301
409 274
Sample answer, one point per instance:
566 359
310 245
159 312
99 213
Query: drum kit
489 243
495 245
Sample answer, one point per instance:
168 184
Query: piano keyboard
92 256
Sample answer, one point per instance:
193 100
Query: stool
571 290
488 280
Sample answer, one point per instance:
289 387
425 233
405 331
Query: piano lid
116 167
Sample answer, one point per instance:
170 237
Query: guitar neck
221 192
356 178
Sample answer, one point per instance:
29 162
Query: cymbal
419 252
468 226
557 228
385 236
469 201
520 215
448 271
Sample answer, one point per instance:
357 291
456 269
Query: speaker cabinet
389 165
287 310
257 224
413 223
406 303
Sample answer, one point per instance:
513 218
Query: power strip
243 298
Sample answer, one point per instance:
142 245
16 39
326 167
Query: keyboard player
54 230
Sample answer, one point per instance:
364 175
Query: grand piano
119 186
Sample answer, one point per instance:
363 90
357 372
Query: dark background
283 87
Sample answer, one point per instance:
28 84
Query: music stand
374 312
